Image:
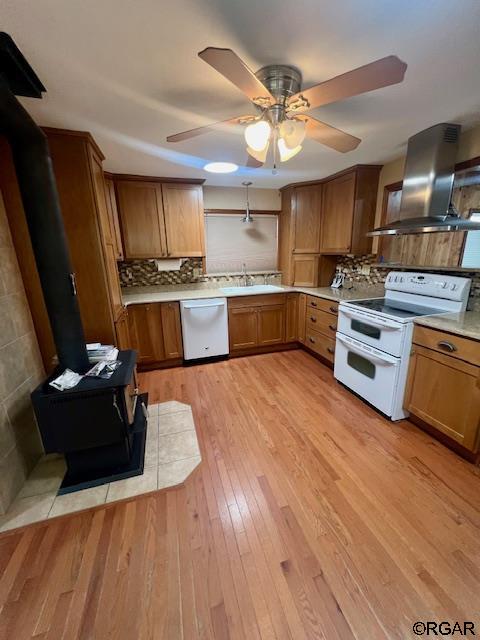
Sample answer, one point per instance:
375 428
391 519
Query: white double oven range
374 337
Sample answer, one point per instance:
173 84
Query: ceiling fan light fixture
221 167
285 152
293 132
257 135
261 156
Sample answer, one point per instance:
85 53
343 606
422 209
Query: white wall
234 198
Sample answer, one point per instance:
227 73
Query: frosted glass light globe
257 135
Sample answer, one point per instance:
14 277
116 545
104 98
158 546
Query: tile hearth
171 454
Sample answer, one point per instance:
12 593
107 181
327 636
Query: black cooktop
400 310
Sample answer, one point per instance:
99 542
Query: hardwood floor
310 516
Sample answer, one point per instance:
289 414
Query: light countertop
159 294
463 324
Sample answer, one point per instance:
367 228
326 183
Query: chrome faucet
247 280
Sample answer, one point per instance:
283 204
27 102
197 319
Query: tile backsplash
352 267
144 273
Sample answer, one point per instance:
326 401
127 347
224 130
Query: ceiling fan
276 91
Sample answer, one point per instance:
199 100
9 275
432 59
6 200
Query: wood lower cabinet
302 311
322 345
291 323
320 322
257 321
242 328
122 332
160 220
155 332
271 324
443 390
172 331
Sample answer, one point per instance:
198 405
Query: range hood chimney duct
38 189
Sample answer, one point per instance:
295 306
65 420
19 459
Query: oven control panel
435 285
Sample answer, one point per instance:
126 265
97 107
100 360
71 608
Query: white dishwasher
204 328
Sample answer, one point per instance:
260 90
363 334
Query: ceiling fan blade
253 163
329 136
381 73
192 133
226 62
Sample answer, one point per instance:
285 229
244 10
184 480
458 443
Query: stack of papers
98 352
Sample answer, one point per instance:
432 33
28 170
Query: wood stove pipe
38 189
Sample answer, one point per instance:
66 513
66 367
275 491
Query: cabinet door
291 332
307 219
271 324
242 328
145 330
445 393
113 281
122 332
141 213
305 270
337 214
113 217
184 220
302 312
172 331
107 239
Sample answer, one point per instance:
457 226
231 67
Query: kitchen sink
256 288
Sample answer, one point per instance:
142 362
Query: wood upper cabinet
160 220
140 205
113 218
154 331
184 224
338 203
307 203
444 390
348 211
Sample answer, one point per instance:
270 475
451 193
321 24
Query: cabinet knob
311 340
447 346
334 309
313 319
330 350
314 304
333 327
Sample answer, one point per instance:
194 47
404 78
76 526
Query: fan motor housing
283 81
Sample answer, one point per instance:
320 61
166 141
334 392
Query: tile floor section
171 454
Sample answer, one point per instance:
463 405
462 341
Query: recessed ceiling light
221 167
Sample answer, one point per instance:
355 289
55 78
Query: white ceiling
128 71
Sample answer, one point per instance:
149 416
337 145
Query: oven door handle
388 326
368 355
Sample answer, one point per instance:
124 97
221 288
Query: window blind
471 251
230 243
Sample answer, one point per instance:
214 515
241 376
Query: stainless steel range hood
427 185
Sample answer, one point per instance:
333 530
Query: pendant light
247 217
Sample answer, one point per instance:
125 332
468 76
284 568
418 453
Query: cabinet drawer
321 321
257 300
321 344
450 344
325 305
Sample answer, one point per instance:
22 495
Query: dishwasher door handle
203 306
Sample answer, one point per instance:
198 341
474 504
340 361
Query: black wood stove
100 425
